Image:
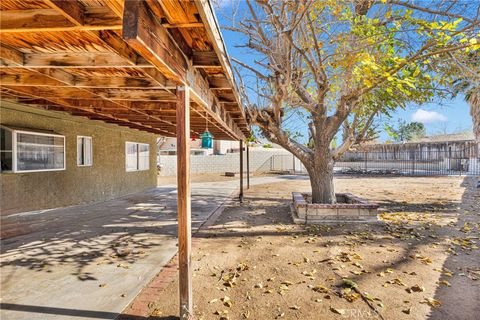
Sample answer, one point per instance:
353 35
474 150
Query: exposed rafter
207 59
49 20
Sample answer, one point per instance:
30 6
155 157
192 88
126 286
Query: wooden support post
293 167
183 201
248 166
240 196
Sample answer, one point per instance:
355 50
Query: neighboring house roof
447 137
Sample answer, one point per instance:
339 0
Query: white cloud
425 116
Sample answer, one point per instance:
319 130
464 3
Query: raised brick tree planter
348 209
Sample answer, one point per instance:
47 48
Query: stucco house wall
105 179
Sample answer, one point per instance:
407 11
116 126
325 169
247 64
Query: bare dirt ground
421 262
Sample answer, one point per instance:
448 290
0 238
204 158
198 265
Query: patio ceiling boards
120 62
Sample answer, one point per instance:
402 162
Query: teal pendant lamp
207 138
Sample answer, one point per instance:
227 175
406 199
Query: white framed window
84 151
137 156
30 151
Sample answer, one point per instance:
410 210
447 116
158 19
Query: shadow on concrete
96 256
81 235
39 310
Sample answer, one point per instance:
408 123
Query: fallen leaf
416 288
156 313
321 288
396 281
432 302
219 313
351 297
337 311
368 296
350 283
445 283
226 301
407 311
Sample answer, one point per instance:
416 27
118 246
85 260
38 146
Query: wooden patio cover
121 62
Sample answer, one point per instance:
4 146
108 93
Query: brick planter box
348 209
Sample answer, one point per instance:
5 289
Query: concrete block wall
221 163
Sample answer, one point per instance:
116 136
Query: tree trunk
321 179
474 101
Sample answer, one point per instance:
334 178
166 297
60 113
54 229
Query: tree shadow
414 236
461 300
120 230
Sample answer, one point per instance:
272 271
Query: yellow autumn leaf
433 302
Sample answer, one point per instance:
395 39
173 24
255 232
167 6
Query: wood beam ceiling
49 20
79 107
67 78
66 60
145 62
14 78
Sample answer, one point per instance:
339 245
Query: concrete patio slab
90 261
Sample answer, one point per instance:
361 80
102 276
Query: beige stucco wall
105 179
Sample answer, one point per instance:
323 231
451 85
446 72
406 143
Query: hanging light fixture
207 137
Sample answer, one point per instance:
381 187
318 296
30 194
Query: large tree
336 65
404 131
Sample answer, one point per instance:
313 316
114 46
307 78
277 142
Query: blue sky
452 116
438 117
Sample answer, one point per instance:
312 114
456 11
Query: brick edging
299 201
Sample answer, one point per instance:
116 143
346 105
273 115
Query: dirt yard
421 262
